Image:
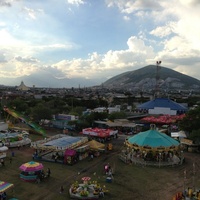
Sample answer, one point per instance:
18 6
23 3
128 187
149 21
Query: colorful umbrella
31 166
5 186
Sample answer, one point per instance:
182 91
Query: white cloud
26 59
5 3
163 31
129 6
32 14
154 30
126 18
113 62
75 2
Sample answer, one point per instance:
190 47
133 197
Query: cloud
5 3
163 31
113 62
41 36
126 18
129 6
2 57
76 2
26 60
32 13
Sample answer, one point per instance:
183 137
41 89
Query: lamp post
193 177
184 180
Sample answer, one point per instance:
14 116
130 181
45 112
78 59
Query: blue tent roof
153 138
164 103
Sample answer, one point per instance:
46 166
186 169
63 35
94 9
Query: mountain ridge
148 77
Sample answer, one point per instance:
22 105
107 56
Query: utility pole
157 88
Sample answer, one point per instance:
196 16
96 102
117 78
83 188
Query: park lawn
130 181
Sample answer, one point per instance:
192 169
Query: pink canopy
31 166
163 119
70 152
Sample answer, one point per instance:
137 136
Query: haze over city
72 43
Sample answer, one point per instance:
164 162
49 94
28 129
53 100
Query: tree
190 123
117 115
41 112
19 105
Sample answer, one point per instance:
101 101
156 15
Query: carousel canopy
5 186
153 138
31 166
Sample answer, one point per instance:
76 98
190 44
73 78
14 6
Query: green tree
190 123
117 115
19 105
41 112
77 111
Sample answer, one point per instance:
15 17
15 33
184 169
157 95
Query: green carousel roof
153 138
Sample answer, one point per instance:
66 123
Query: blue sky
90 41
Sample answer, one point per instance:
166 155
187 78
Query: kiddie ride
100 134
87 189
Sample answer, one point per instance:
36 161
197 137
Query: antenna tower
157 89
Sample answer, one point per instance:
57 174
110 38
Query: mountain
152 76
43 78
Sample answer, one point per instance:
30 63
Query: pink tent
69 152
163 119
69 156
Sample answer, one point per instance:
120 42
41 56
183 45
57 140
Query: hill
145 79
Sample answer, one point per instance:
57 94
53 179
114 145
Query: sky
89 41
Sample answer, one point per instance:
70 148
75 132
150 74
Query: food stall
70 156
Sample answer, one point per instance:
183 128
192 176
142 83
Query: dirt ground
130 181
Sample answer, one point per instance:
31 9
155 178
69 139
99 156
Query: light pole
158 63
193 177
184 180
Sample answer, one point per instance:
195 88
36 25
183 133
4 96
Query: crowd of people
42 175
153 156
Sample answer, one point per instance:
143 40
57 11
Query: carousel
31 171
87 189
152 148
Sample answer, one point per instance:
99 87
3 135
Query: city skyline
68 43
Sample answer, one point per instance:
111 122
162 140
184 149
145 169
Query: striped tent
5 186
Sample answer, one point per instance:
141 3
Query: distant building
163 106
109 109
23 87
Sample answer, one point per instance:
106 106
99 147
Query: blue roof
64 141
153 138
164 103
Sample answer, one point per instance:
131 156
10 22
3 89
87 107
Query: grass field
130 181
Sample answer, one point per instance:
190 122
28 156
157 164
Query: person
42 174
56 158
2 162
48 172
38 179
4 196
101 192
10 159
91 156
110 174
61 189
